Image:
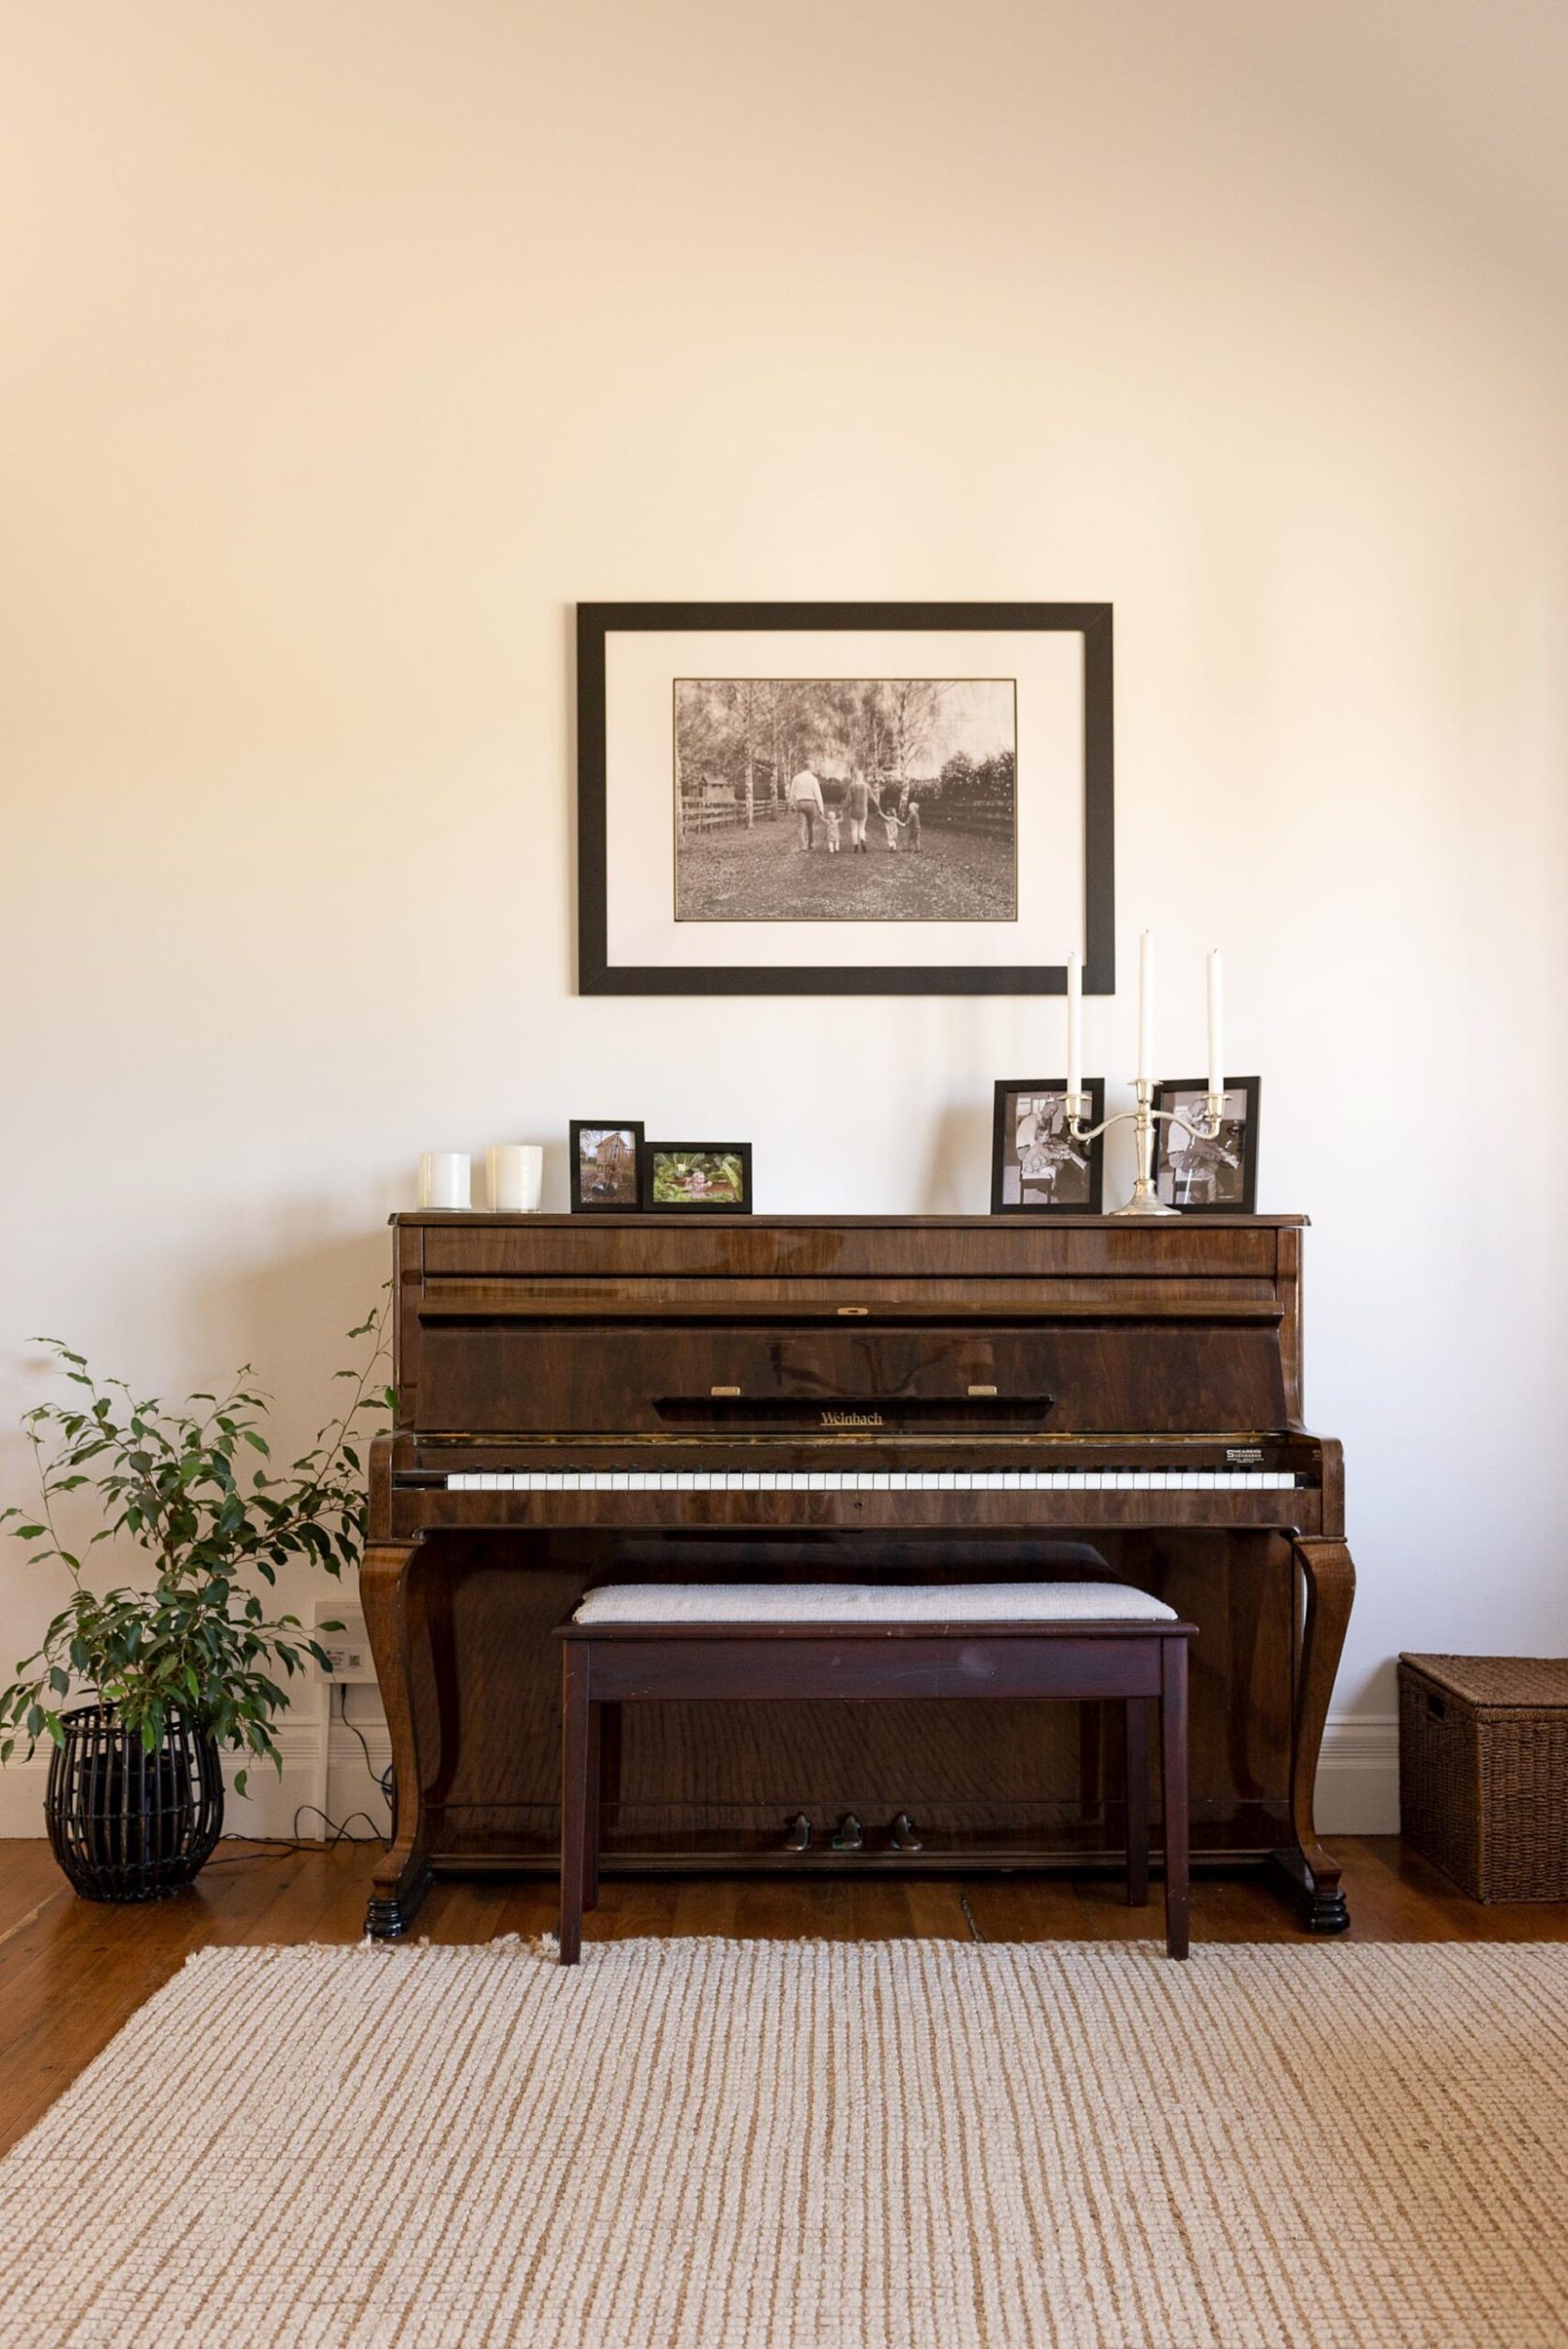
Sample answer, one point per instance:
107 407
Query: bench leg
593 1810
1138 1801
1174 1787
575 1808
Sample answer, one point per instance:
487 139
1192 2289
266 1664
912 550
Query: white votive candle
1217 1027
1146 1009
445 1179
516 1173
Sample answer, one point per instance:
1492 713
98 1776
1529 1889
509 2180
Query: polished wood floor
71 1971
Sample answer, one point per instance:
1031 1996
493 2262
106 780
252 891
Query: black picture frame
1176 1092
580 1126
1004 1129
597 976
656 1150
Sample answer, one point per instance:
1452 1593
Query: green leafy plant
182 1483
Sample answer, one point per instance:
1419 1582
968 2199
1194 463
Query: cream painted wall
346 346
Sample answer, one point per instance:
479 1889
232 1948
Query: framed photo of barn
605 1155
818 799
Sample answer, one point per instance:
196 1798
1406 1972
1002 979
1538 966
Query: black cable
360 1734
339 1832
281 1845
384 1779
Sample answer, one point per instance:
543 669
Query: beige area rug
754 2145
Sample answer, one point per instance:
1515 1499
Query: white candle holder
1145 1199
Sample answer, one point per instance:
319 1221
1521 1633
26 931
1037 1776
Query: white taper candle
1217 1027
1146 1009
1074 1021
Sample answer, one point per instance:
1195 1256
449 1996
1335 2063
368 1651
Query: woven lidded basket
1484 1771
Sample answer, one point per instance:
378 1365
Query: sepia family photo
1038 1164
845 798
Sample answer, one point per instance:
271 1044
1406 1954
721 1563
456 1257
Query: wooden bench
645 1643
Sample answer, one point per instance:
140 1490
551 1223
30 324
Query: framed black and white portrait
1037 1166
844 799
1203 1176
605 1158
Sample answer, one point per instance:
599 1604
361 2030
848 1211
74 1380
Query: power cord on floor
338 1831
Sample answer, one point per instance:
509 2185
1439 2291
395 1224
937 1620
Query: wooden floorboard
72 1971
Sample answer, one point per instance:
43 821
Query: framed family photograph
820 799
697 1178
1037 1167
605 1158
1199 1176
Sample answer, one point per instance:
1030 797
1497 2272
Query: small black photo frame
697 1178
1203 1177
1037 1168
606 1171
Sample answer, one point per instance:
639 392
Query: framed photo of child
1038 1167
697 1178
1198 1176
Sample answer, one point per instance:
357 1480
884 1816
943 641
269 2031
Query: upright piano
589 1398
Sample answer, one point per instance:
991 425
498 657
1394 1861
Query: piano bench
640 1642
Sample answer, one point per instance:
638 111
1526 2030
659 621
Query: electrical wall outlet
350 1649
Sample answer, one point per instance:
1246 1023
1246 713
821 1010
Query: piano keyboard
876 1480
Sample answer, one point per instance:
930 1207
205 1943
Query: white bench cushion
871 1602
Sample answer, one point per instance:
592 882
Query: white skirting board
1358 1782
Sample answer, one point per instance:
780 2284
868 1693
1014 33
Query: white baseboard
271 1801
1357 1775
1358 1782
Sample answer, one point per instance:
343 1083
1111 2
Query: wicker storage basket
1484 1771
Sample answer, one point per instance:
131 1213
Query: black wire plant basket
127 1825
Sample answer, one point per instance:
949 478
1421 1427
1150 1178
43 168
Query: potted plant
183 1664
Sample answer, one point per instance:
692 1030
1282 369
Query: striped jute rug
924 2144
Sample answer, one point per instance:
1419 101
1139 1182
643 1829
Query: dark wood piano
909 1398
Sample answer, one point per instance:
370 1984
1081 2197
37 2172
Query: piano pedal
797 1833
904 1836
851 1833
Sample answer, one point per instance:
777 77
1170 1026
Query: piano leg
402 1875
1330 1577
